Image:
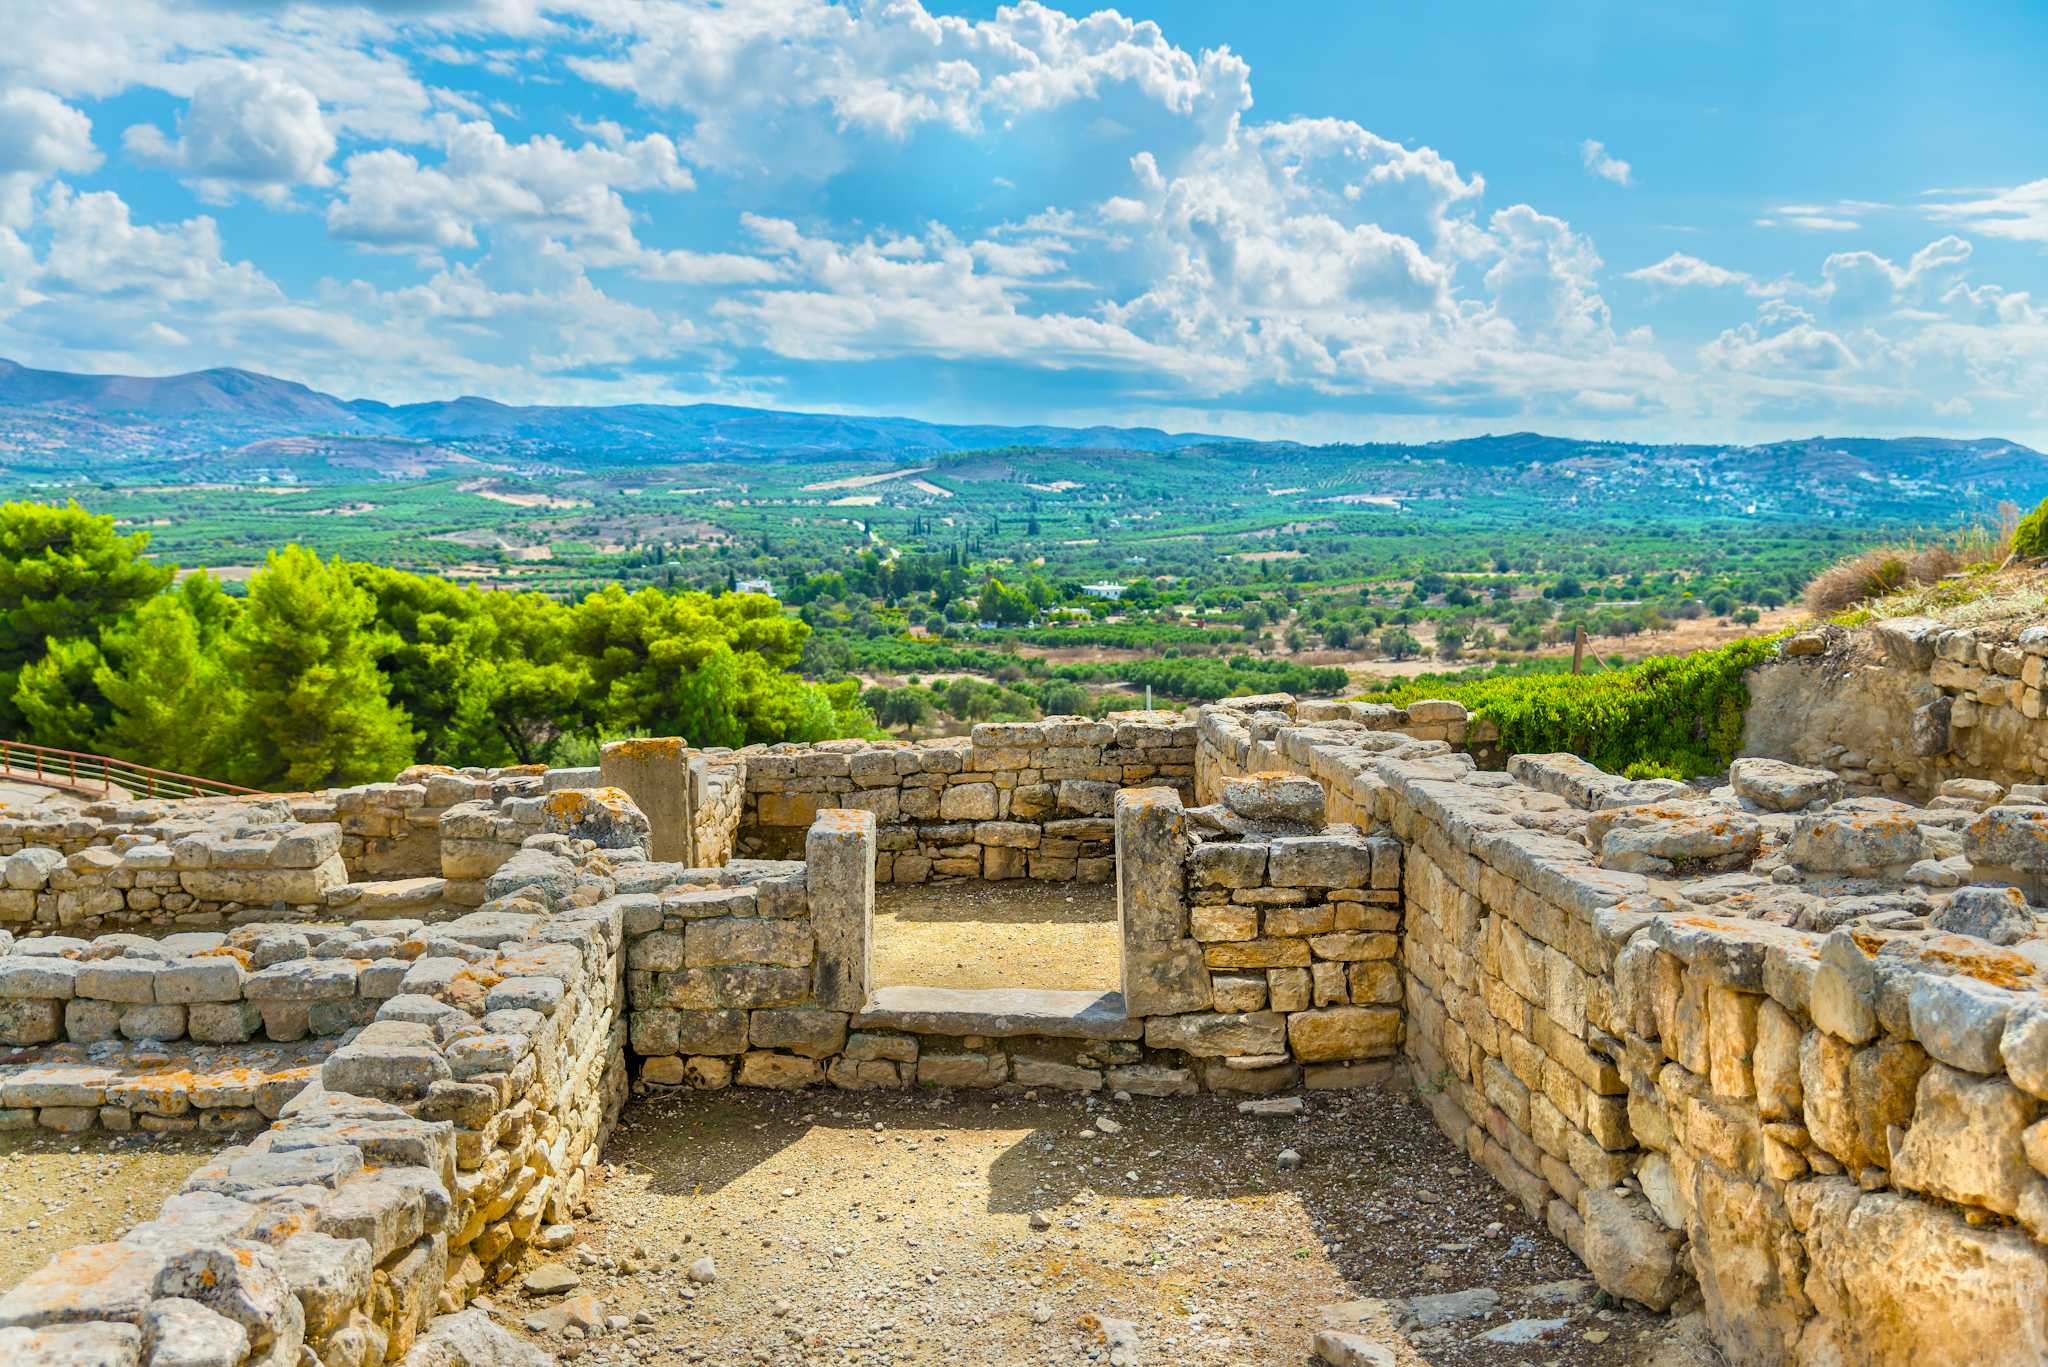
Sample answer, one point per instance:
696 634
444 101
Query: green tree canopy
317 711
64 574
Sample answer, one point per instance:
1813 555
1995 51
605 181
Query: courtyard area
965 1229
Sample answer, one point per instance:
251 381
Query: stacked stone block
413 1171
1012 800
1836 1140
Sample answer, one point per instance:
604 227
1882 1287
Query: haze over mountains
209 423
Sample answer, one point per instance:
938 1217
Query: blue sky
1327 221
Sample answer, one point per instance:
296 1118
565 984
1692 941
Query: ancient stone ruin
1778 1049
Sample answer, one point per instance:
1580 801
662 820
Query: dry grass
1989 598
1887 571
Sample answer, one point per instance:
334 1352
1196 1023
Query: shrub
1669 716
2030 537
1875 573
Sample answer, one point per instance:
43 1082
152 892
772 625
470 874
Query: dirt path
60 1190
986 1231
1019 933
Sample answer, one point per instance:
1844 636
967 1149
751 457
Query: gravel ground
1018 933
979 1230
60 1190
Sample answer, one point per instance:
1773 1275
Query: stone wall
718 798
1258 950
1011 800
399 1175
1635 1016
280 982
1904 705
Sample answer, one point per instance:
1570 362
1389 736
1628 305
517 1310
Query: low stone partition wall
1012 800
1905 705
197 879
280 982
1258 954
435 1144
71 1089
1833 1138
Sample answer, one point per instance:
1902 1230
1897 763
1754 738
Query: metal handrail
88 773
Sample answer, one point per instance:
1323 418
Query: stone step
999 1012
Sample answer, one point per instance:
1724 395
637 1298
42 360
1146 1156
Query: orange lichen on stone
649 747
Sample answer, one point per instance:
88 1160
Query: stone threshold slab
999 1012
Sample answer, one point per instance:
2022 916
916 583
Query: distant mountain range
210 423
224 407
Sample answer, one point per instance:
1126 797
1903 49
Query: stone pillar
839 874
1163 970
655 772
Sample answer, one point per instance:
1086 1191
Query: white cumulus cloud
1598 161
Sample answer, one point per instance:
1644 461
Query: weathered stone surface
1320 861
1628 1248
1343 1032
1208 1035
2000 915
1964 1144
184 1333
808 1031
1275 799
469 1338
1777 786
1865 836
1164 979
1150 853
1896 1280
73 1345
2010 838
654 773
1960 1020
840 855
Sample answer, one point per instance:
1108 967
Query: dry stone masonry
1776 1048
1907 704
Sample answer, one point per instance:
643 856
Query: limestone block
607 817
265 886
1777 786
1895 1279
1629 1250
1965 1143
1150 855
968 802
1342 1032
807 1031
1864 836
1165 979
654 772
1960 1021
1997 914
2010 837
839 855
744 940
1212 1035
1275 799
1320 861
1217 864
782 1071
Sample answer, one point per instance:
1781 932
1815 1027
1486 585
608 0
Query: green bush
2030 537
1670 716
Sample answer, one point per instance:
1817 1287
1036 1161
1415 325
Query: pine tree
317 711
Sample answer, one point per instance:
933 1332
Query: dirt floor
983 1231
61 1190
1016 933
